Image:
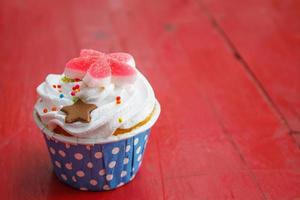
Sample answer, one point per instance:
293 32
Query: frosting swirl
137 102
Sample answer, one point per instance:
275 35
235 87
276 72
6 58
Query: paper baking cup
97 164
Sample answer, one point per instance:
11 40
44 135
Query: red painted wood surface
226 74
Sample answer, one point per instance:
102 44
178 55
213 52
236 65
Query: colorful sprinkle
77 86
45 110
118 99
58 86
120 120
73 93
77 80
54 86
61 96
54 109
75 99
68 80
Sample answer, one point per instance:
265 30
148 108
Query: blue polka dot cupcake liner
97 164
97 167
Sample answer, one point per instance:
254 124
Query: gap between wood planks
246 67
160 170
234 145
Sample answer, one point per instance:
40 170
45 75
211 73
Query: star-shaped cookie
79 111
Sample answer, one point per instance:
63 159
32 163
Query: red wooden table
225 72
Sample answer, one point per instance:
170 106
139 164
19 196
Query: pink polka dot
115 150
74 178
109 177
123 173
125 161
88 147
64 177
83 189
68 166
62 153
136 141
138 150
127 148
78 156
102 172
89 165
57 164
52 150
98 155
93 182
120 184
80 173
112 164
139 157
132 177
67 145
106 187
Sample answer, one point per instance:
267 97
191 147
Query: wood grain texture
218 136
266 35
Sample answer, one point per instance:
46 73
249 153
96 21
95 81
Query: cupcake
96 119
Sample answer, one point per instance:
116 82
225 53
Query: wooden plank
279 184
218 185
265 146
32 41
266 34
215 134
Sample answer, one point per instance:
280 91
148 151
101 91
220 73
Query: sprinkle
54 109
73 93
120 120
76 87
67 80
77 80
61 96
54 86
45 110
58 86
118 99
75 99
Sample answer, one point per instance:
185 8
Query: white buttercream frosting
137 102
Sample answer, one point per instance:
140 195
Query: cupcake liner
97 167
96 164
